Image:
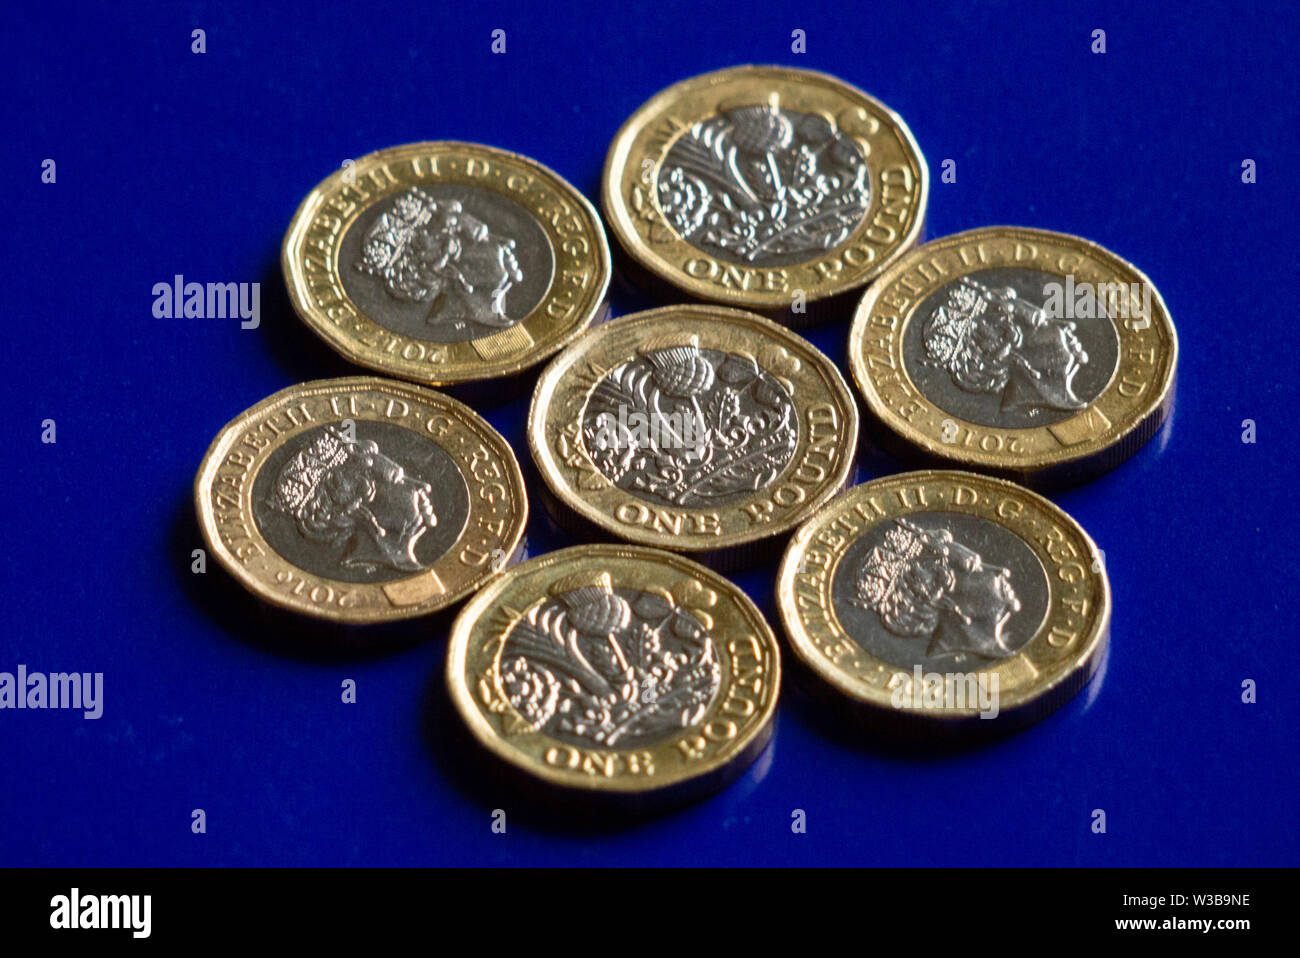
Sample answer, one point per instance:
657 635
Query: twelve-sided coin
1031 354
696 428
765 187
938 600
361 500
616 669
446 262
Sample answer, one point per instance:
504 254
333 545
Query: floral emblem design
757 181
610 667
689 426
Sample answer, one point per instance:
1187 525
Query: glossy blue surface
170 162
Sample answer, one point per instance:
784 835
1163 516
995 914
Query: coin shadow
874 460
492 784
632 289
297 349
866 730
252 621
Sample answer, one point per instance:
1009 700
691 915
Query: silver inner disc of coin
375 504
985 349
763 186
614 668
446 263
940 589
690 427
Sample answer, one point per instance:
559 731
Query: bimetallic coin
946 600
1030 354
756 186
446 262
616 669
361 500
694 428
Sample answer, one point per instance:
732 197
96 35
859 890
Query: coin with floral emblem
764 187
695 428
617 669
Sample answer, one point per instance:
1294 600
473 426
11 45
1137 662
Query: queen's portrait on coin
436 252
350 497
991 341
924 584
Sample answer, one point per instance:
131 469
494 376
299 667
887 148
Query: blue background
170 162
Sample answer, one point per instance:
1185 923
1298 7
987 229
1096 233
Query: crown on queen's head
387 239
951 324
887 561
298 479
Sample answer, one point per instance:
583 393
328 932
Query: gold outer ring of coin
718 743
489 539
576 294
891 224
1046 671
817 468
1112 427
